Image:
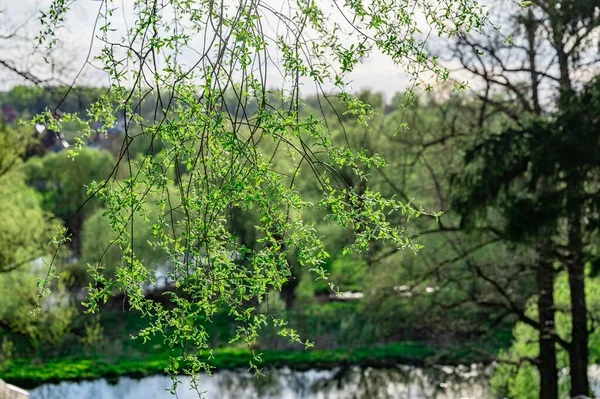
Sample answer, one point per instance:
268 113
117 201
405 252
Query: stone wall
8 391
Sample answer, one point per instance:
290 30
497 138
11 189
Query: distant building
105 136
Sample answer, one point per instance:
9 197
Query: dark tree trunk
288 293
578 353
75 229
578 350
545 274
547 356
288 289
532 27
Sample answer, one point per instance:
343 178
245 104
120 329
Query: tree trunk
547 356
578 351
288 291
545 274
75 229
532 27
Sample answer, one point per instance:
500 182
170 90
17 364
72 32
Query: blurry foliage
25 229
348 273
62 181
33 100
517 377
19 292
97 246
14 142
94 337
62 184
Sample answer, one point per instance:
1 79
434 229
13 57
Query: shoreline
24 374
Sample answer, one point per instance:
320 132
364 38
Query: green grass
28 375
118 355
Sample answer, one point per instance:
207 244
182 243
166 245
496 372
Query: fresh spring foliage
219 159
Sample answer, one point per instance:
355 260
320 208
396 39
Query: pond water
439 382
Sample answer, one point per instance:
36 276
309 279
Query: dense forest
492 256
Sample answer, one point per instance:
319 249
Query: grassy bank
28 375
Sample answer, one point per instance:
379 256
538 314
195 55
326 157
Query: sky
19 27
377 73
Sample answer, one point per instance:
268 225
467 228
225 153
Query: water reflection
355 382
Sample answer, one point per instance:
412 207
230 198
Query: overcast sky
19 18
